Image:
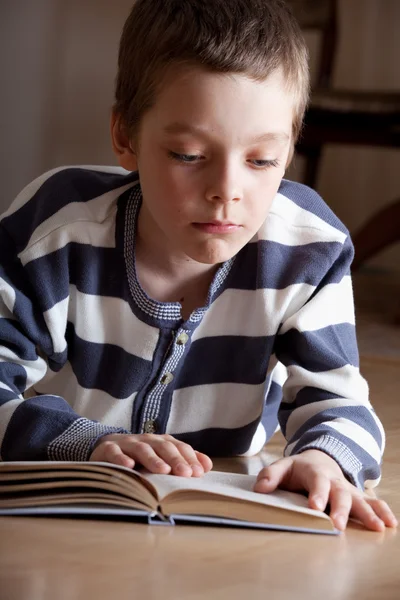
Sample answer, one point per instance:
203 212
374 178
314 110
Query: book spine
159 519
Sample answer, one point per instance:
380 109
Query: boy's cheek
127 161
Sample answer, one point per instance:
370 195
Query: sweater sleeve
40 427
325 399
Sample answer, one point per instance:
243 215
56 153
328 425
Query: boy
164 321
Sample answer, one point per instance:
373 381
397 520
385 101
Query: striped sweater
84 351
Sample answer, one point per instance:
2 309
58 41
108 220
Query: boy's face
211 154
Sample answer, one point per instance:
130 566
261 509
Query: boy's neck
170 277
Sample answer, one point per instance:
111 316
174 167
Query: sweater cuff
77 441
346 460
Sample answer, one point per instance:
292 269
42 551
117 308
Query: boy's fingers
158 454
366 514
383 511
144 454
318 491
112 453
205 461
271 477
341 501
169 452
190 457
365 511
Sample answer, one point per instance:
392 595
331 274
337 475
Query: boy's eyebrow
177 128
279 136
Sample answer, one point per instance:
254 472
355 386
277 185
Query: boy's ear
121 144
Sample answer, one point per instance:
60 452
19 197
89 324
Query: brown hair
250 37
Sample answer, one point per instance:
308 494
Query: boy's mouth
217 227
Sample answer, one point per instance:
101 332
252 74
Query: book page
29 478
230 485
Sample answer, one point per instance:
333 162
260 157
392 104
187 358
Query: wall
356 181
58 62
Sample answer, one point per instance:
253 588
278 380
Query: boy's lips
217 227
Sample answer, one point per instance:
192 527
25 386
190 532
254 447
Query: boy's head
247 37
209 101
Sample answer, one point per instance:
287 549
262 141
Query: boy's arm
42 427
325 399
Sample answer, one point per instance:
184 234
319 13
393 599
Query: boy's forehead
182 128
184 75
190 99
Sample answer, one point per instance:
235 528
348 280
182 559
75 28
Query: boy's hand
157 453
320 475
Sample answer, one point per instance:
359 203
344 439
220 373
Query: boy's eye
185 158
192 158
265 164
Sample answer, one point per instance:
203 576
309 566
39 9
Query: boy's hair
249 37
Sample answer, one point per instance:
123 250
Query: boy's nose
223 197
224 187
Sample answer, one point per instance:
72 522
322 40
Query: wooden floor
64 559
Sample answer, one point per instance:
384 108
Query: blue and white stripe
84 351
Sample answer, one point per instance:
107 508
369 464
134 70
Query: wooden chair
344 116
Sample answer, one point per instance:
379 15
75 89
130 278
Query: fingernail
261 483
181 467
340 522
379 522
318 502
197 470
160 464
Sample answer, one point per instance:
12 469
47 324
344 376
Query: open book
96 489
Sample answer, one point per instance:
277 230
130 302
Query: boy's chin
214 253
